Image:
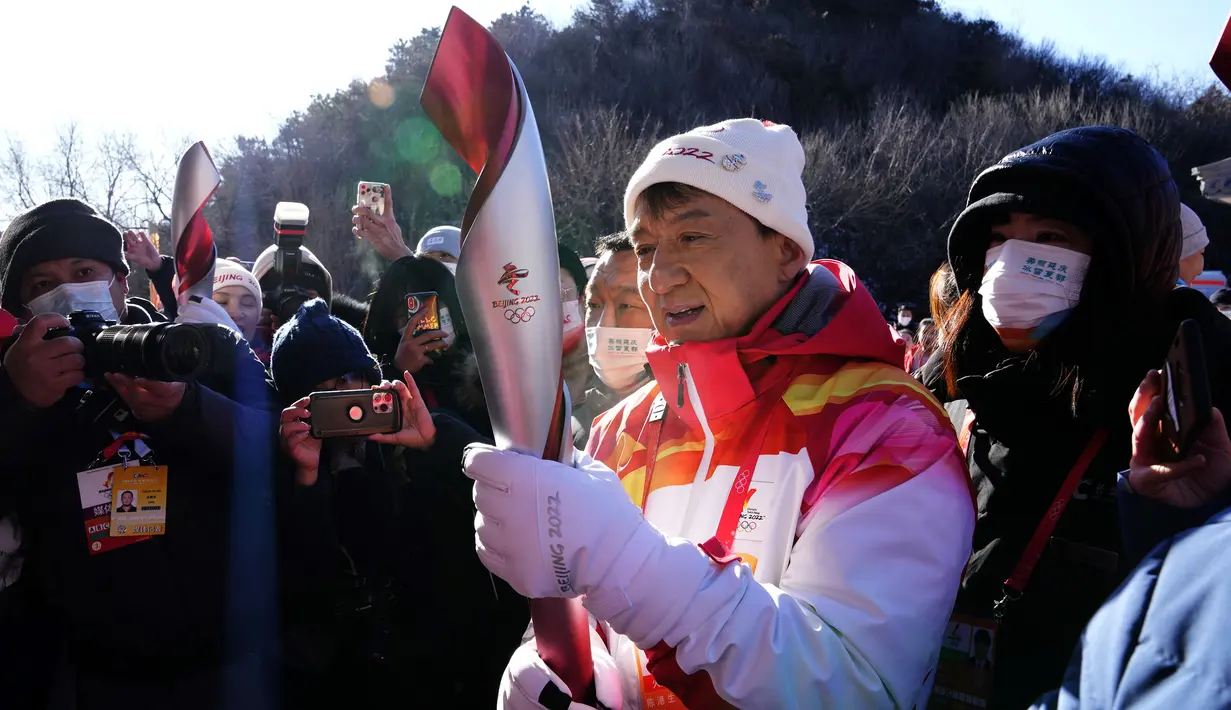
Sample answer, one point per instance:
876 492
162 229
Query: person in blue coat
1160 641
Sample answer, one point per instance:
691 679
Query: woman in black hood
1065 246
434 358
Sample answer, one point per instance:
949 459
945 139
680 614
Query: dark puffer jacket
1035 414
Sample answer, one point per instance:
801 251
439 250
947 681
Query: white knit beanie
1195 236
229 273
755 165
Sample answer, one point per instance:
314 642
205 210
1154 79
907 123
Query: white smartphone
373 195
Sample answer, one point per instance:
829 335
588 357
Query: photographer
366 524
313 281
159 604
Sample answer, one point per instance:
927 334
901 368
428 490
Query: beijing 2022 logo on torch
511 276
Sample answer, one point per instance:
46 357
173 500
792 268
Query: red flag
1221 61
195 253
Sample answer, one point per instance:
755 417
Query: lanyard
737 498
114 447
1015 585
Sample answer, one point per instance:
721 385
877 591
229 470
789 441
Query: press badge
967 661
139 501
94 489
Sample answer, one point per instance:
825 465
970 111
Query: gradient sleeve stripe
810 393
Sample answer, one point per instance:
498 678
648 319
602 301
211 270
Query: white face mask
69 297
1029 289
618 355
1226 313
904 321
451 267
572 324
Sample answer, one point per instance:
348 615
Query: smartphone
416 303
354 413
1186 391
373 195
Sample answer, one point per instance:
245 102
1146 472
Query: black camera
170 352
290 224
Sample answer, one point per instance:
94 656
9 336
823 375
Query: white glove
526 680
551 530
205 312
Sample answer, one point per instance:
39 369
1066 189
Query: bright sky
226 67
239 66
1164 38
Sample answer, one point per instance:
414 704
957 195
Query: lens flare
381 94
446 179
417 141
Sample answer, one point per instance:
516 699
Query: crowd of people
777 500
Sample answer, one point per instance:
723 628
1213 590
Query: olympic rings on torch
519 315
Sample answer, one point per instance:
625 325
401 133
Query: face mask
573 324
69 297
904 321
1029 289
618 355
1226 313
451 267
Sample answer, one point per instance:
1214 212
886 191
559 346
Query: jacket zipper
694 398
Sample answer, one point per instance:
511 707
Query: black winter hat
1108 181
315 346
60 229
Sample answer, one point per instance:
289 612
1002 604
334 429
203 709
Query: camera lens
183 351
169 352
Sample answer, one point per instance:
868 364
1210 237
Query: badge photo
139 501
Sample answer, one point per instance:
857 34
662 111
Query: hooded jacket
1027 424
855 531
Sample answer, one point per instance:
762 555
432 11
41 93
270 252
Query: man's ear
792 258
122 280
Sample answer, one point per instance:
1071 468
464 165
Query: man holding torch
781 518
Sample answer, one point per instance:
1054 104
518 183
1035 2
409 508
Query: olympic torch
508 280
196 180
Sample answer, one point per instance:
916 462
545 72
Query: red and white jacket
853 532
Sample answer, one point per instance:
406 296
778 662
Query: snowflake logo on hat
733 163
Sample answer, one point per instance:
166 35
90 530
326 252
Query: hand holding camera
149 400
43 370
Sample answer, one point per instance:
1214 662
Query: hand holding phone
373 221
1186 392
374 196
1204 474
298 443
354 413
